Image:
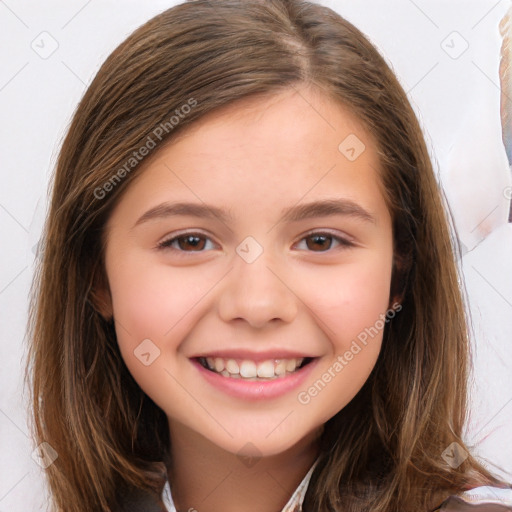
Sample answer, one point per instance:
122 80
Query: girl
248 298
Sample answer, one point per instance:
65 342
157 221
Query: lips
256 388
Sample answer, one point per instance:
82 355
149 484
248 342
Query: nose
259 293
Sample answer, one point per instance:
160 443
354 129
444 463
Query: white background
456 99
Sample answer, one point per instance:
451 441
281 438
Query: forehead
293 129
302 111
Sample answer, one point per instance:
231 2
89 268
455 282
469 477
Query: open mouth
252 371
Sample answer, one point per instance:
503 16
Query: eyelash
166 244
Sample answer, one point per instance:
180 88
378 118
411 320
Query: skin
255 158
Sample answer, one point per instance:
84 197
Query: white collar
488 494
294 504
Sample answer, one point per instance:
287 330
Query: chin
251 443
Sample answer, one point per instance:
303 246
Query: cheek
350 298
154 309
152 300
157 303
349 304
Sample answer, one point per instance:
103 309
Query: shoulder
479 499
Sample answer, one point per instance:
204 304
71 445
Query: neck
206 478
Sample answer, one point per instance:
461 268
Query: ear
99 295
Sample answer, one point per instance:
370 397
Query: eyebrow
323 208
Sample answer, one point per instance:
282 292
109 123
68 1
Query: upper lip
254 356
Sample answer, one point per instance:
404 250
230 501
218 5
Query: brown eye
323 242
320 242
189 242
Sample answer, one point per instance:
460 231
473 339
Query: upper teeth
250 369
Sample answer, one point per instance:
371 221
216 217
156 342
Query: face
283 252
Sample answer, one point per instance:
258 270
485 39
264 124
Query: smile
213 371
245 369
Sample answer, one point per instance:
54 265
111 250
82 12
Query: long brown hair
383 451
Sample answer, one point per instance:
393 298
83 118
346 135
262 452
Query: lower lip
256 390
